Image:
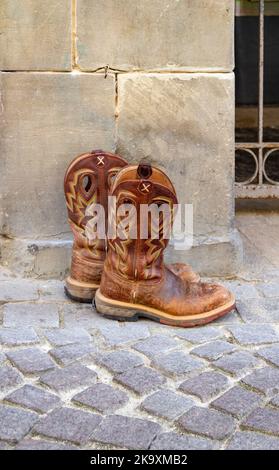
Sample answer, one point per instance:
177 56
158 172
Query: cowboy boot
135 281
88 179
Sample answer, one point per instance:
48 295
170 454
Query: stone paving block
120 333
47 25
237 401
32 118
254 334
18 336
263 419
206 422
166 404
84 316
119 361
18 290
205 386
68 424
190 42
34 398
201 334
177 363
52 290
141 379
69 378
40 444
9 378
259 310
213 350
31 360
15 423
245 291
2 358
231 318
144 134
270 354
102 397
65 336
275 401
236 363
174 441
31 314
155 345
72 352
246 440
269 290
123 431
266 380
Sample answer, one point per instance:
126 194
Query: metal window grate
260 184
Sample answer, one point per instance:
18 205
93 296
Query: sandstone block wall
168 97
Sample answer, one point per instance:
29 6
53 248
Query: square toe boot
88 180
135 281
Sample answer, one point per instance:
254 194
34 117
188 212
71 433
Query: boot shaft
136 250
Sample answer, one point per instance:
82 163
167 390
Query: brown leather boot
136 282
88 179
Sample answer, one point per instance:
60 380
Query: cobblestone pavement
70 379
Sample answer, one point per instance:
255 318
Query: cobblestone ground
70 379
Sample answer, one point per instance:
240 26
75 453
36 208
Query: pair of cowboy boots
128 276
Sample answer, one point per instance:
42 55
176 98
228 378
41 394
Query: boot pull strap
144 170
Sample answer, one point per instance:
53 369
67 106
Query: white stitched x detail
100 160
145 187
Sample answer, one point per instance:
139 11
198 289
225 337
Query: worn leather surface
87 180
134 269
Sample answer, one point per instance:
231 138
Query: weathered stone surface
69 378
82 315
35 35
141 379
275 401
166 404
213 350
122 431
236 363
200 335
246 440
174 441
205 386
259 310
52 115
67 424
263 419
31 314
52 290
39 444
237 401
18 290
254 334
34 398
246 291
190 43
102 397
266 380
207 422
65 336
9 378
177 363
72 352
190 135
2 358
269 290
120 361
15 423
16 336
116 334
156 344
270 354
31 360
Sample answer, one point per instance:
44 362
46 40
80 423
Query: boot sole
123 311
79 291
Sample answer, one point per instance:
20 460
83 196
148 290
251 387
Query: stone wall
145 78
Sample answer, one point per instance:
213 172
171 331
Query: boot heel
113 312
